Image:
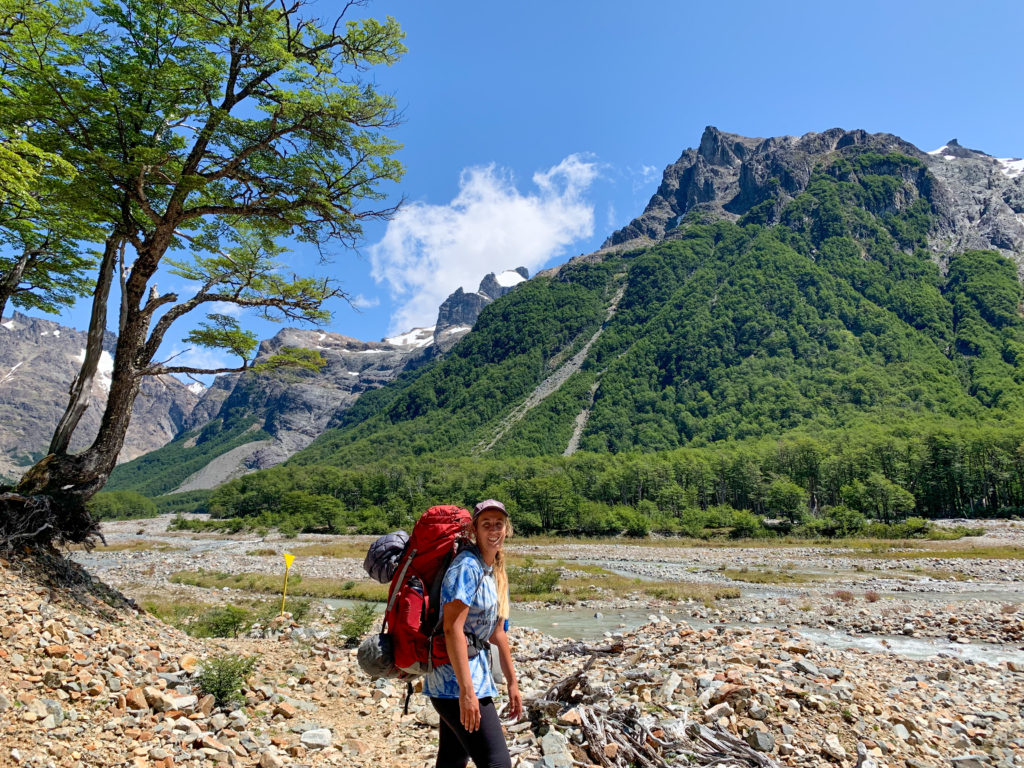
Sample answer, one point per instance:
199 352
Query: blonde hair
500 575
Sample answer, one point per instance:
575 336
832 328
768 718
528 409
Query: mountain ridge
853 212
38 360
978 202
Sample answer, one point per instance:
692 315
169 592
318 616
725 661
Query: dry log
579 648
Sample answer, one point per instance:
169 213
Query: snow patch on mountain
508 278
1011 166
105 370
417 337
10 373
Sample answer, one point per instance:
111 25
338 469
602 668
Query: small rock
806 667
357 746
970 761
718 711
570 717
831 747
286 710
318 738
556 752
136 699
761 741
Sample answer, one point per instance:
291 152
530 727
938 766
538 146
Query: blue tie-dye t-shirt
470 582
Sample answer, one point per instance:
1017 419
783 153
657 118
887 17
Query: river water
595 626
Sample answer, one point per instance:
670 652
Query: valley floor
914 658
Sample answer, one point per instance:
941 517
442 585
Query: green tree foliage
924 468
42 262
224 677
784 498
121 505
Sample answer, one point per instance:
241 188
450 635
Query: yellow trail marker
288 560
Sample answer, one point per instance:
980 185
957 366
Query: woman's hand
469 709
515 701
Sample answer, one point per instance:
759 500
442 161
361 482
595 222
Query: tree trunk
57 488
53 494
9 282
81 387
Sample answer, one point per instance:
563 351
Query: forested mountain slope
726 330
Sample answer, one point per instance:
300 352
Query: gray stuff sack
384 555
376 656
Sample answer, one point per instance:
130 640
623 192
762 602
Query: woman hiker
474 597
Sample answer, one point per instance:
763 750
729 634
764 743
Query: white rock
318 738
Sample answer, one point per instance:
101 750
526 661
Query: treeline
831 485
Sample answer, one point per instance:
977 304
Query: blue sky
532 130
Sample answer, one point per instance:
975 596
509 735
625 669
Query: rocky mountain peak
458 313
977 200
720 148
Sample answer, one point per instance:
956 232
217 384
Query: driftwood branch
626 737
579 648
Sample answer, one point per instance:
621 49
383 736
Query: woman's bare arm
455 613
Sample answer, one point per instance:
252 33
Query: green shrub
911 528
532 581
356 622
835 522
223 677
224 621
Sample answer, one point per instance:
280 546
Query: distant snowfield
509 278
1012 166
417 337
10 373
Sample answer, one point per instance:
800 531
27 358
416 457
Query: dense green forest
829 484
812 362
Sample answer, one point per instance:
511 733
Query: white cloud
362 302
430 250
644 178
225 308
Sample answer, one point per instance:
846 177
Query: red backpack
413 614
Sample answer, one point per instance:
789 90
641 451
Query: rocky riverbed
862 593
88 680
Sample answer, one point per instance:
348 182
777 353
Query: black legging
486 745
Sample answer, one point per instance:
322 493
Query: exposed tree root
40 520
